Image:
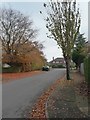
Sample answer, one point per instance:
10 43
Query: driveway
19 96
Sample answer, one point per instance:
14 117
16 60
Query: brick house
57 61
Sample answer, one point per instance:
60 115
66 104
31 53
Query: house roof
57 59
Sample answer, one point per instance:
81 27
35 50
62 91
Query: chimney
53 58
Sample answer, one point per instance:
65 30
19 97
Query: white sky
32 9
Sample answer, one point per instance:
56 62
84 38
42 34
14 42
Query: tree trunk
23 67
68 68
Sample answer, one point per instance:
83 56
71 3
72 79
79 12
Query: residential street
19 96
44 60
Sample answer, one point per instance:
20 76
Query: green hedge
87 69
36 67
57 66
11 69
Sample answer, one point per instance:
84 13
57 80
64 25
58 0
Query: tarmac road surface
20 95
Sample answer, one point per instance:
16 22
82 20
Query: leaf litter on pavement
39 109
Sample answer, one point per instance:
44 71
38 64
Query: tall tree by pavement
63 22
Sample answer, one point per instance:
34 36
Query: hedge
87 68
57 66
10 70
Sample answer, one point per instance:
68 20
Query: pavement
65 102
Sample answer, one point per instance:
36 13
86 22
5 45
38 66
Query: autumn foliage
19 47
27 58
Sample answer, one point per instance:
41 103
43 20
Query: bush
12 69
57 66
61 66
87 69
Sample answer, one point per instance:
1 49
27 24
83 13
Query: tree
79 51
80 42
77 58
15 29
17 34
31 56
63 22
26 56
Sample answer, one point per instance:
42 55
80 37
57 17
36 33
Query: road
19 96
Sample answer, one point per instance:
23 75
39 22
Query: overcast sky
32 9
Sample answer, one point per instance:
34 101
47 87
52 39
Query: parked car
45 68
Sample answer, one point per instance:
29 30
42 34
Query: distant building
57 61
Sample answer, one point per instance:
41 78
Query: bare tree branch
15 28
